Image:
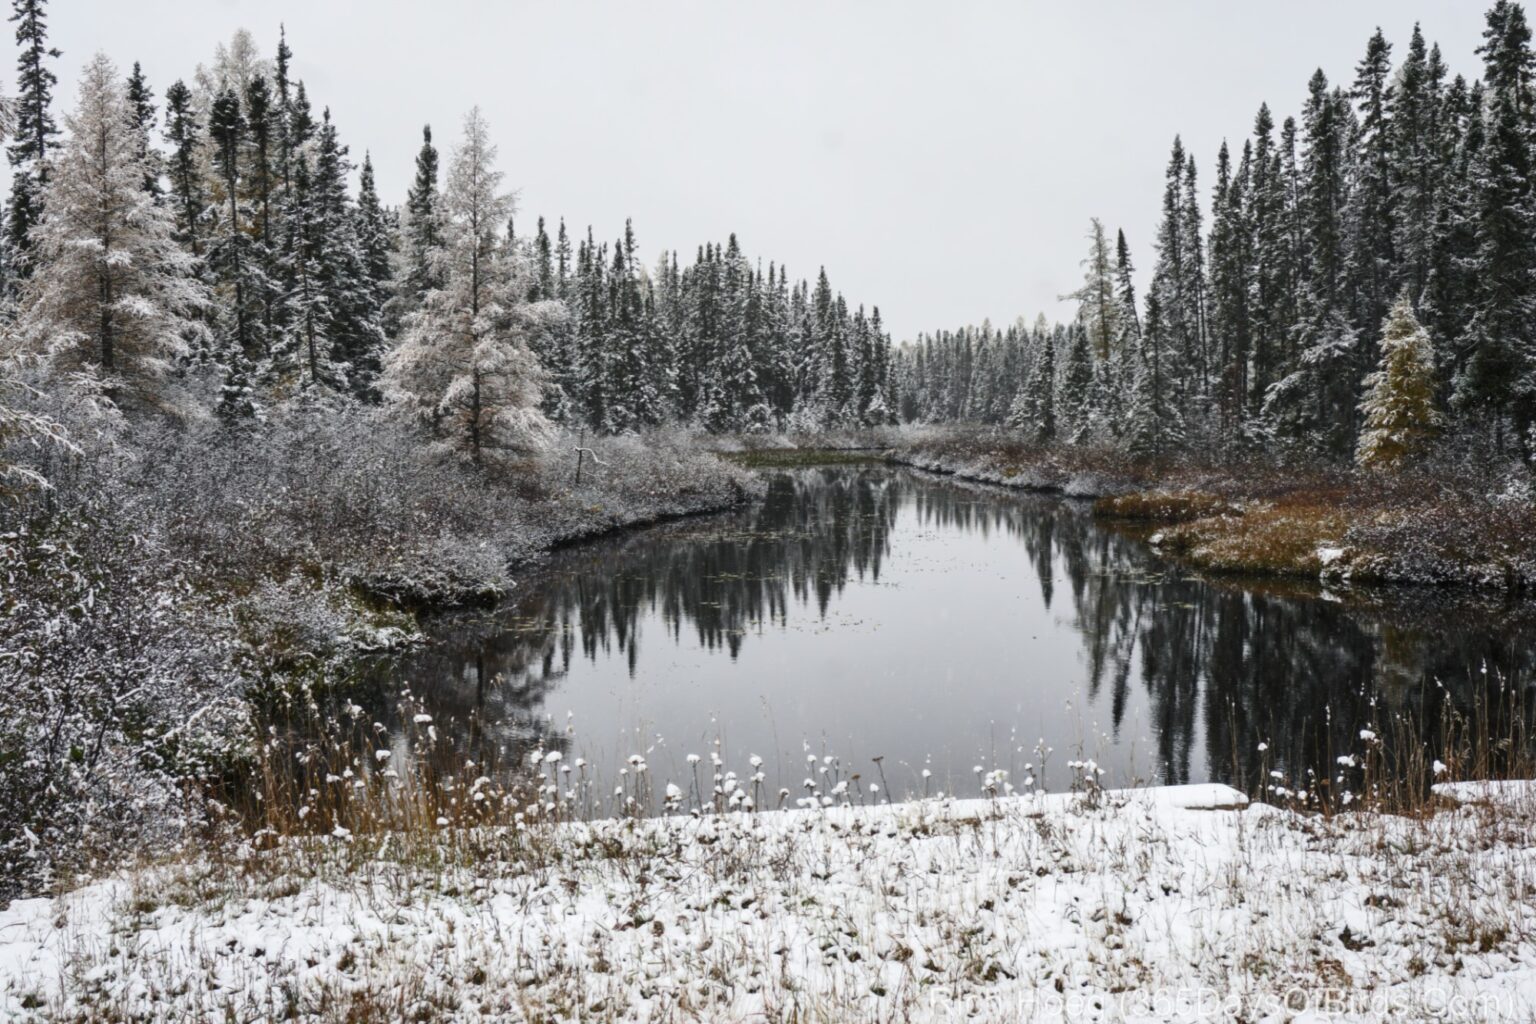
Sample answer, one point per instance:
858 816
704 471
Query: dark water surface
868 611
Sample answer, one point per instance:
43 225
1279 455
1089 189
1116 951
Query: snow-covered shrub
175 569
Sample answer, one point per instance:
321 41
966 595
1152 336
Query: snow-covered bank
177 583
1134 906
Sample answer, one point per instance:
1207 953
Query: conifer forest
420 602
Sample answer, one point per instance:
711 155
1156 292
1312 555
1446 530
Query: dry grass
1268 538
1164 506
1454 521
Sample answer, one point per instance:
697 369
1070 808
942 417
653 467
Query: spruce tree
1034 410
1496 379
1373 209
230 256
1077 387
1417 162
420 236
188 195
1175 287
375 247
141 105
1232 284
34 130
1154 419
350 292
261 184
308 349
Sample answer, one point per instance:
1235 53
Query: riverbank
175 580
1159 905
1444 525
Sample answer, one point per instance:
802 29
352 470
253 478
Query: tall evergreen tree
188 195
1373 209
1496 380
230 256
420 235
141 105
34 131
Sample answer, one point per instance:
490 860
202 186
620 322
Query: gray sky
941 159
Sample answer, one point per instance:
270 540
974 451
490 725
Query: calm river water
868 611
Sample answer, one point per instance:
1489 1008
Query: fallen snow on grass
1142 907
1516 794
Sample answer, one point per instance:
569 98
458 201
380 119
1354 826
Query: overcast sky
941 159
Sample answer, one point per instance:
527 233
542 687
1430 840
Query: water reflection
874 612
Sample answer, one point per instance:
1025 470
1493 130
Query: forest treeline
1265 325
203 252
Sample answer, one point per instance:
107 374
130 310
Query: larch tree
463 363
1401 416
1097 308
114 294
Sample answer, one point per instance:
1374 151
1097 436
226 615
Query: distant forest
1265 329
203 253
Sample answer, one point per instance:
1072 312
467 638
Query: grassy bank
1443 524
1155 905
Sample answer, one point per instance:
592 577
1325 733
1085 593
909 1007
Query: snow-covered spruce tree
375 247
463 363
141 100
420 235
188 196
114 294
351 298
1417 161
308 346
1076 405
1231 285
1178 285
1154 421
1372 212
1034 410
1399 406
34 131
231 254
1496 379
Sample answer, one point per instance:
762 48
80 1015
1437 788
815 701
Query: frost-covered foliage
22 427
111 293
464 364
174 572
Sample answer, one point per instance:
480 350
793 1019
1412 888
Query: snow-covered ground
1162 905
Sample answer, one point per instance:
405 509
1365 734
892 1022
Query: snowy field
1176 904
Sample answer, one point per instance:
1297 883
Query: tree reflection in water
1202 672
